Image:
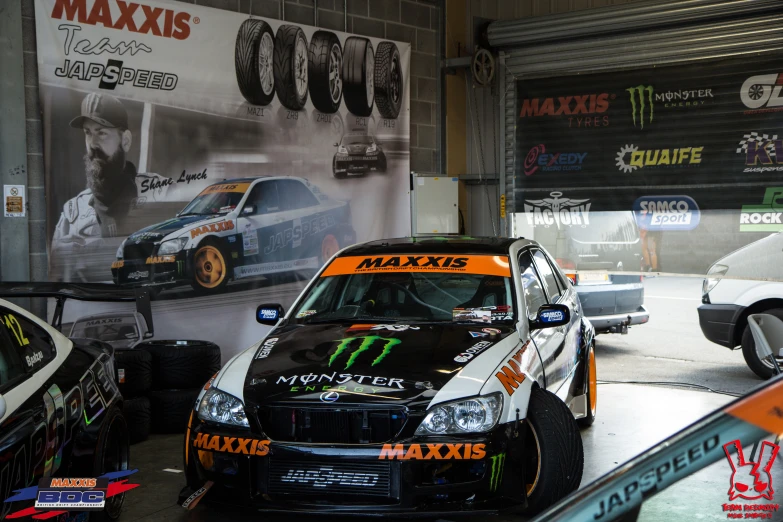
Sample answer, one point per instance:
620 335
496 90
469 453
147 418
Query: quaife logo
365 343
631 158
638 104
761 93
126 16
766 217
762 152
582 111
557 210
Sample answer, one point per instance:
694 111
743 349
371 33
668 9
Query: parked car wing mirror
269 314
550 316
248 210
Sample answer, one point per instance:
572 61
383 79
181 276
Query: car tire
171 409
761 368
591 388
253 56
182 364
389 83
211 269
554 435
112 453
137 413
337 175
324 71
290 67
330 245
358 75
135 367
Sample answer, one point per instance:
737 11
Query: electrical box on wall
435 205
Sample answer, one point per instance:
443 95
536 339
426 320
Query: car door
33 426
548 341
561 293
301 210
260 222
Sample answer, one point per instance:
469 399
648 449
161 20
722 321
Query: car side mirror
550 316
269 314
248 210
147 335
336 144
2 407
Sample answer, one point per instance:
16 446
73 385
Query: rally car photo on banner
375 391
237 229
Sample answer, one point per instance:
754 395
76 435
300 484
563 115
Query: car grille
327 425
314 478
140 251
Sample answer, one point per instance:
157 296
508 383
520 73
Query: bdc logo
639 104
365 344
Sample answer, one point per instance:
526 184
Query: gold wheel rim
329 247
593 376
210 267
530 487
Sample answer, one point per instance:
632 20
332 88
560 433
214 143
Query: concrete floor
631 418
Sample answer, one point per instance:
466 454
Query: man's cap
103 109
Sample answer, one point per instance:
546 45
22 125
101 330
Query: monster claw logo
496 473
639 91
366 344
751 480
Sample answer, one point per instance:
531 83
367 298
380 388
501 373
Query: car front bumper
359 479
718 322
358 163
137 272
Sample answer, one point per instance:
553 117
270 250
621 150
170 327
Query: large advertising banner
681 164
218 158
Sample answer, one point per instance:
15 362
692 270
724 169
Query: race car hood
359 148
178 224
363 362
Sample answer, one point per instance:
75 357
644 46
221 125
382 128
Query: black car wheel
591 388
553 456
210 268
112 454
359 75
388 80
762 368
324 71
253 56
290 66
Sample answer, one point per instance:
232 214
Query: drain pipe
345 13
282 7
315 13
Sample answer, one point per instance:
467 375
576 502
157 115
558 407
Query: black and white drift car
237 229
376 391
358 152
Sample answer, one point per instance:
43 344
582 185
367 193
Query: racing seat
491 291
390 300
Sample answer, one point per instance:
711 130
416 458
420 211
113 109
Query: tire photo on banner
290 67
389 82
253 56
359 75
324 72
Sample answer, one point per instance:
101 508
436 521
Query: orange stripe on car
764 409
465 264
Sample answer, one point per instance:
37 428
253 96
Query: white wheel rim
265 50
369 59
300 66
335 78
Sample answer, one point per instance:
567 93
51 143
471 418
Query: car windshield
110 329
357 139
217 199
479 292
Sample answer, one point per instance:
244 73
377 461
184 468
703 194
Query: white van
723 316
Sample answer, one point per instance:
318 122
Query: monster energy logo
498 462
180 265
639 91
365 345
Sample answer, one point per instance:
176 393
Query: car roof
436 245
256 178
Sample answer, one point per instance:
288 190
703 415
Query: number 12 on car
12 323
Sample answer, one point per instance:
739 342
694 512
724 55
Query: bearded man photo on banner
113 191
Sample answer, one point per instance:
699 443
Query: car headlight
172 246
710 282
342 150
120 249
475 415
219 406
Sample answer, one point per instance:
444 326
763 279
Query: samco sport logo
538 158
433 452
221 226
762 152
127 16
366 343
631 158
575 107
556 210
761 93
766 217
235 445
666 213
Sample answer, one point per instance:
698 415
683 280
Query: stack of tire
160 381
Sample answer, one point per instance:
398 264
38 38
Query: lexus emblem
329 396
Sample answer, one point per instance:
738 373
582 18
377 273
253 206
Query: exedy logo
366 343
766 217
638 103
